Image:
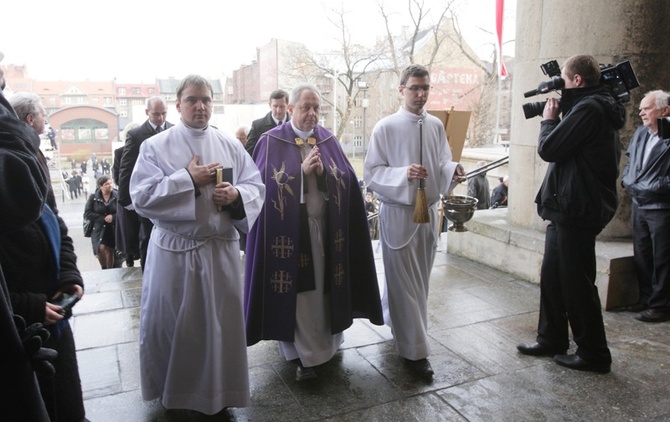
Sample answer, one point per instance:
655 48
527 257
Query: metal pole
335 103
353 140
365 105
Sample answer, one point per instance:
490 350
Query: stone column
612 31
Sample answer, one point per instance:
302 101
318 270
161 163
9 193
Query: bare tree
429 36
344 66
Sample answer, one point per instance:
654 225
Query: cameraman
646 177
578 197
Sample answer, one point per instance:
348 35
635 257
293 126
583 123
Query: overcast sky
140 40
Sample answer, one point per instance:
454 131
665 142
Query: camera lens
534 109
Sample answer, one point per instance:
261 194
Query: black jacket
583 152
131 151
23 189
96 210
28 266
649 185
259 127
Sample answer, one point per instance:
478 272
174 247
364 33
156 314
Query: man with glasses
406 147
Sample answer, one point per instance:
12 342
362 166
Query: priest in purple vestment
310 268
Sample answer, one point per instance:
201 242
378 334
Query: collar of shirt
304 135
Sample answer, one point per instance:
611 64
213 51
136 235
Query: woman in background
101 210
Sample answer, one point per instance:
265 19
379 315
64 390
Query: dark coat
26 259
131 151
96 210
498 196
649 186
22 201
116 166
478 187
127 222
583 151
259 127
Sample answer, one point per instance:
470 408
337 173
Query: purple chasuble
277 254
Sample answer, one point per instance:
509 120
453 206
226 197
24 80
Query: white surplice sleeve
158 192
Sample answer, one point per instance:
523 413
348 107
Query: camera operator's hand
551 109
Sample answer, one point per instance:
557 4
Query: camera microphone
530 93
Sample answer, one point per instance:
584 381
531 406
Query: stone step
517 250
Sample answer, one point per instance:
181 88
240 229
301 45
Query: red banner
499 30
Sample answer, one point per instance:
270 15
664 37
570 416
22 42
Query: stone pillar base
495 242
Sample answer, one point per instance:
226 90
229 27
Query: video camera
664 126
620 78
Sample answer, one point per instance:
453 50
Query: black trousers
568 294
651 255
146 226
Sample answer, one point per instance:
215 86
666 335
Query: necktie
158 129
279 124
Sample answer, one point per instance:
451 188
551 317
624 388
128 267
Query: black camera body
664 128
620 78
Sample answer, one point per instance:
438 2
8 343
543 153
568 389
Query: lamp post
363 86
333 76
353 140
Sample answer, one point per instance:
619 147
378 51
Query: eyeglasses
416 89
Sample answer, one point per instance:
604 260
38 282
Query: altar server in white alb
192 342
406 147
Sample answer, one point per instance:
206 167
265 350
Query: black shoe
130 262
653 315
537 349
636 307
302 373
420 367
579 364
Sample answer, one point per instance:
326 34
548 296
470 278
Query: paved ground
477 316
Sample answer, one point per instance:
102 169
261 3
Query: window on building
84 131
123 101
123 113
122 91
137 91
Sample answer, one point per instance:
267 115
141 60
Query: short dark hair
585 66
195 80
102 180
413 70
278 94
